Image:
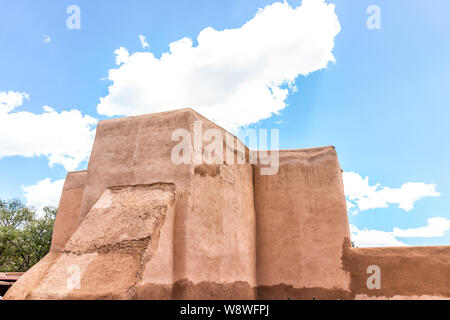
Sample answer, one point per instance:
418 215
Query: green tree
25 237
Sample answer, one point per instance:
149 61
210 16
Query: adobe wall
68 216
301 225
406 272
215 253
219 237
132 151
216 257
208 239
140 226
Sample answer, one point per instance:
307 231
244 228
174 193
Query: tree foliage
25 237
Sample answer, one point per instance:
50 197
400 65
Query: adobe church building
136 225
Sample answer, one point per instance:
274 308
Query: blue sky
384 102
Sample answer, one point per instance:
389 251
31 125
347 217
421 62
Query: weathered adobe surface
406 272
68 216
301 224
138 226
109 248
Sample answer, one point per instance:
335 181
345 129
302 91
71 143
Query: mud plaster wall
220 234
301 225
69 208
406 272
137 150
213 233
132 151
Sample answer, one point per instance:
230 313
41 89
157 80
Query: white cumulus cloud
436 227
122 55
235 76
10 100
374 238
64 137
44 193
363 196
48 109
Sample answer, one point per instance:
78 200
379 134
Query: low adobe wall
405 272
